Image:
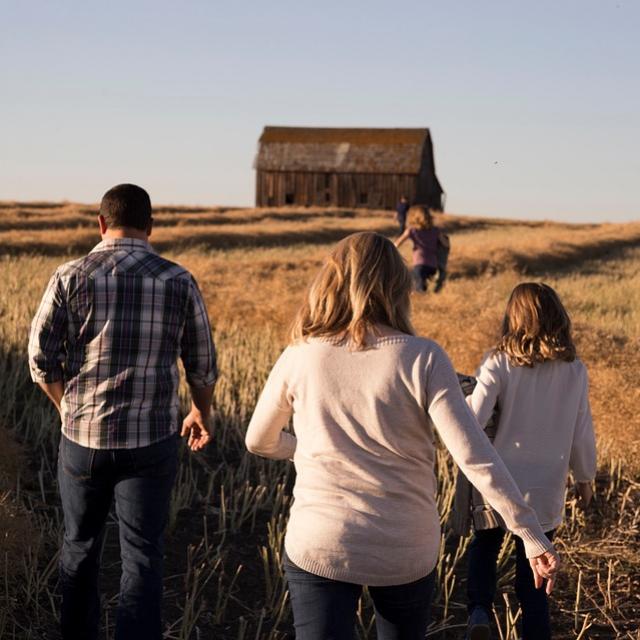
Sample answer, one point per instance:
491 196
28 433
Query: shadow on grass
208 241
26 220
561 257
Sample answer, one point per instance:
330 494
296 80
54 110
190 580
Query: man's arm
199 358
46 342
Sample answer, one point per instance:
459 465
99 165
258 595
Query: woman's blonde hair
420 217
363 282
536 327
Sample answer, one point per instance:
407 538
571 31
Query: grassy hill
229 508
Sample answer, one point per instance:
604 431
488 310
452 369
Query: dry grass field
229 509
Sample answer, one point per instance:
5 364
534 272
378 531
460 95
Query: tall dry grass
229 509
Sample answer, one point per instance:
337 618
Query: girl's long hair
419 217
364 282
536 327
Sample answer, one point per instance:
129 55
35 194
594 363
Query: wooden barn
346 168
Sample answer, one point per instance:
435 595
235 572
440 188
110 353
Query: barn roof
342 150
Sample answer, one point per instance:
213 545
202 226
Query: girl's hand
585 494
545 567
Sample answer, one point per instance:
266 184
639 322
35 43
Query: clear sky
533 105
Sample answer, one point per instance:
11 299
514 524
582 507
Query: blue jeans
481 583
140 481
325 609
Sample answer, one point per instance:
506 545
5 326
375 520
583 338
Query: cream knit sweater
364 506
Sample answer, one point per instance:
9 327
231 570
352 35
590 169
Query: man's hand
55 392
545 567
584 493
197 427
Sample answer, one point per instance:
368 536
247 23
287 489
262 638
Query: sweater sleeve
476 457
583 450
487 390
265 435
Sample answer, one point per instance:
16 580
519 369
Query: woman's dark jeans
324 608
140 480
420 274
481 583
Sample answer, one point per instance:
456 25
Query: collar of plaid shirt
109 244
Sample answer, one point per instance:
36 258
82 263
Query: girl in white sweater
365 394
544 430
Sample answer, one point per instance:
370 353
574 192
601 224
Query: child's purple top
425 246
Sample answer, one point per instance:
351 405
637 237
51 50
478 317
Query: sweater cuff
535 544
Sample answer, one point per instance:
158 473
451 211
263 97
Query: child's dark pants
481 584
420 274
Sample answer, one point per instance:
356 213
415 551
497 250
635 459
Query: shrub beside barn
346 168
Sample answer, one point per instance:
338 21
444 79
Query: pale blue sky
173 95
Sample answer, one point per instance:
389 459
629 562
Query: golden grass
253 266
255 273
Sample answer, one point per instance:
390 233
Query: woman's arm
265 435
478 460
402 238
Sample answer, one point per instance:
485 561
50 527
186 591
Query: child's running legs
420 274
481 583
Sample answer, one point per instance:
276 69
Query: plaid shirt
112 325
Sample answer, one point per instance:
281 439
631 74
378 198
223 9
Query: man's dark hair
126 205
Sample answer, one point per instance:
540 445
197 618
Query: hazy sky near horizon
534 107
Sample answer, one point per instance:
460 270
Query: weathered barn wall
279 188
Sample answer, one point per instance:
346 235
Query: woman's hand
545 567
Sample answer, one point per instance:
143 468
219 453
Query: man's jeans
140 480
324 608
481 583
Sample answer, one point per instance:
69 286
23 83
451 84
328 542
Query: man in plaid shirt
104 347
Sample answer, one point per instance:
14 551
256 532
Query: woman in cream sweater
365 394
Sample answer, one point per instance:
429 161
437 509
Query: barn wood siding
282 188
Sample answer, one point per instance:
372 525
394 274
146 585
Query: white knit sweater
364 506
544 429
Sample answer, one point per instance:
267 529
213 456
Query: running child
425 237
